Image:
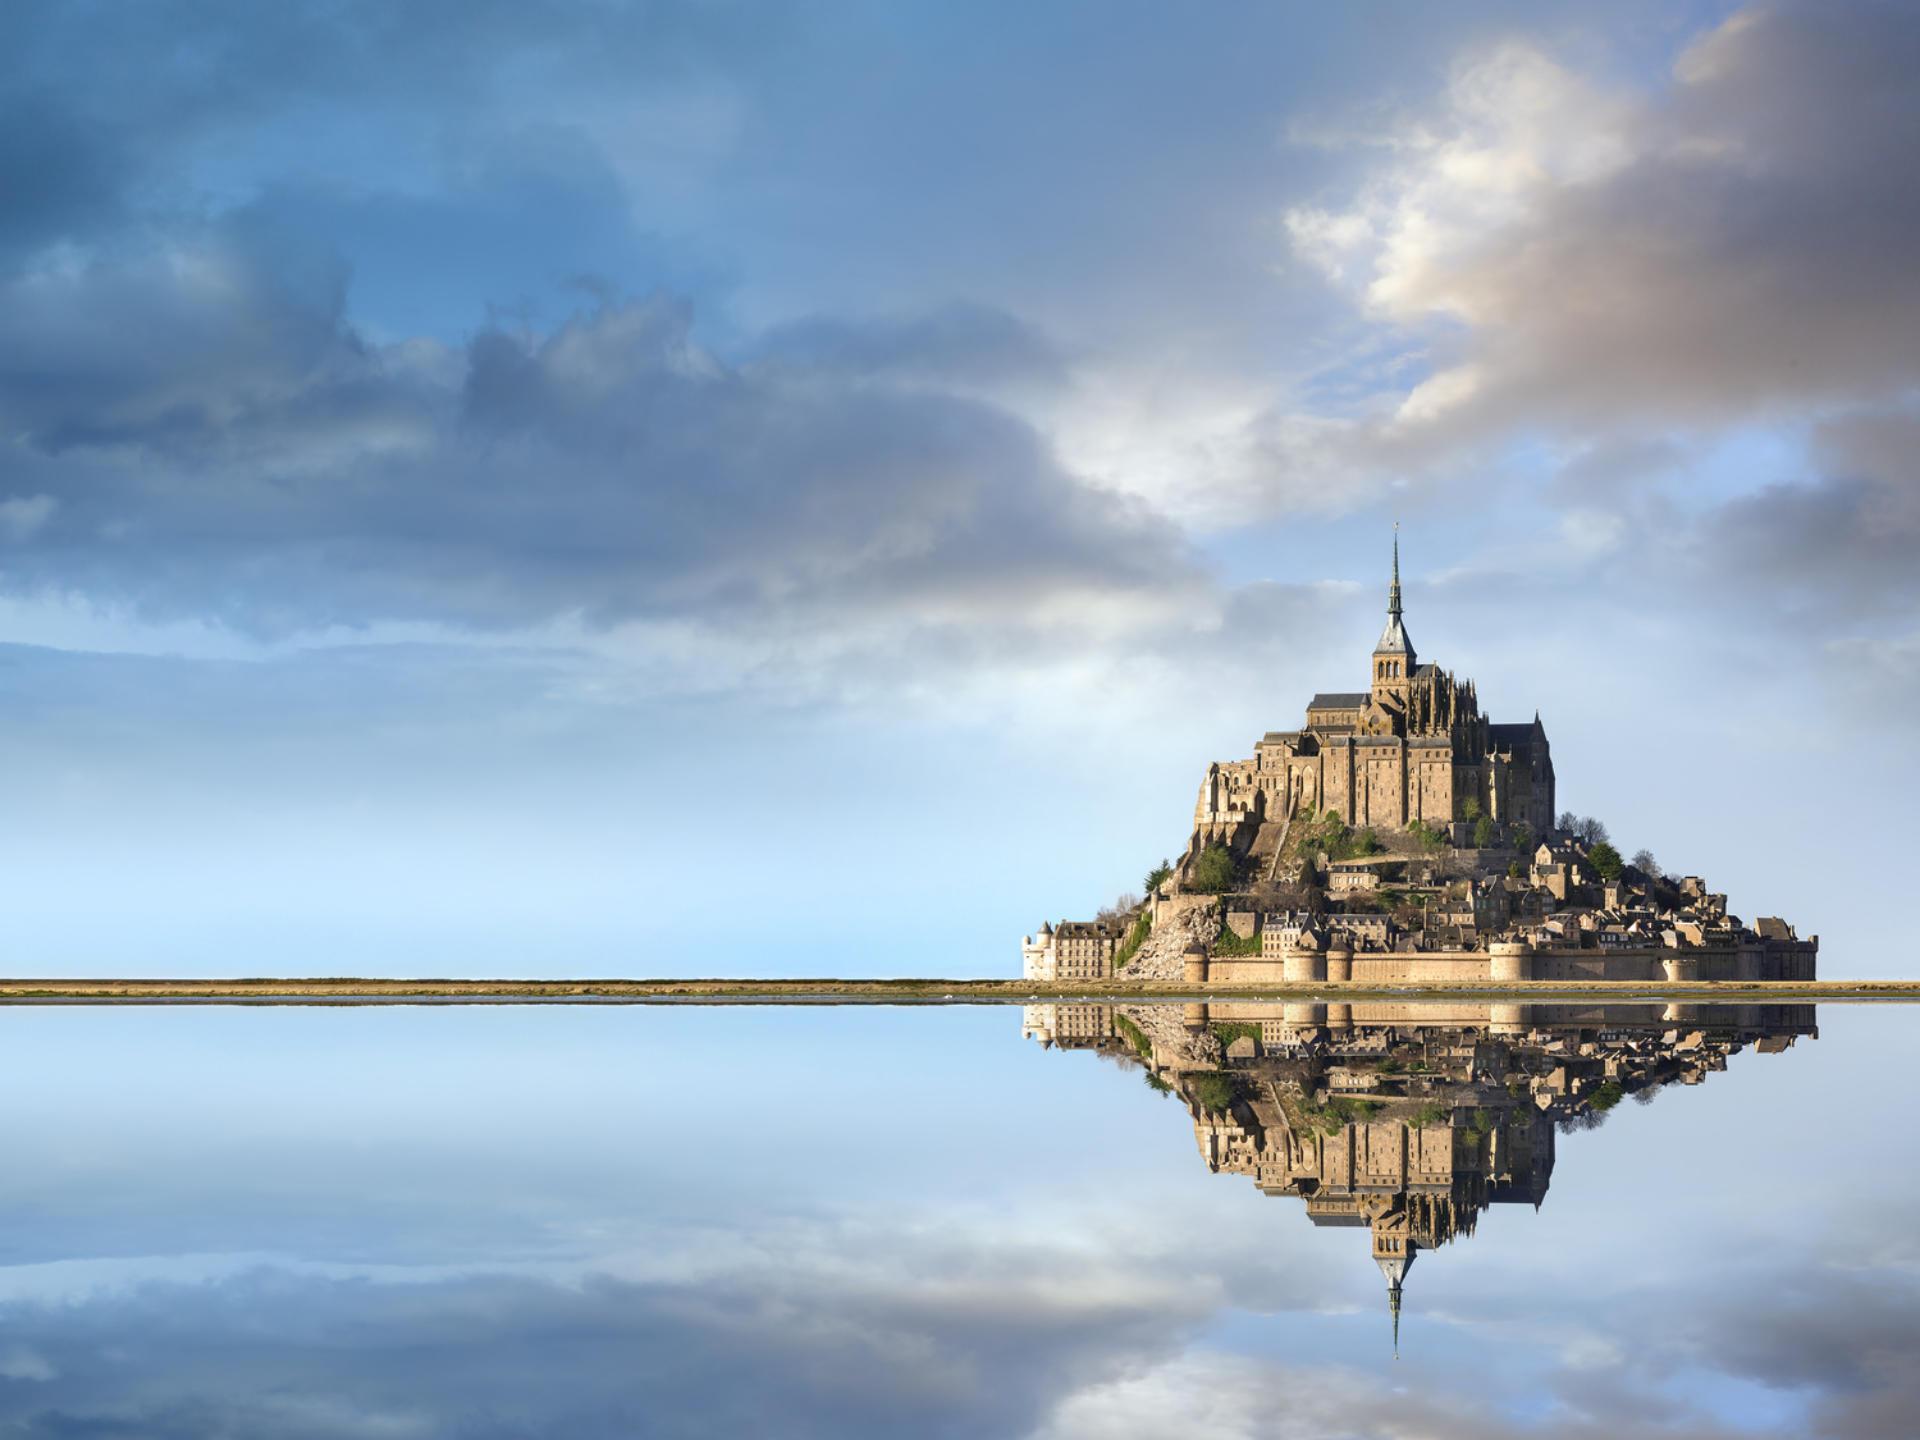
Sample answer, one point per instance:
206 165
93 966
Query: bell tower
1393 1250
1393 658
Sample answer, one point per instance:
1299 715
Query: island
1399 836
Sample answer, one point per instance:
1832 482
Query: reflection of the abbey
1409 1118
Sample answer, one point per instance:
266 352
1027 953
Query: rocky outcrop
1173 1042
1161 955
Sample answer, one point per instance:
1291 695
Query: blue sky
589 487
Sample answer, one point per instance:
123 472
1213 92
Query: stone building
1413 749
1413 746
1073 950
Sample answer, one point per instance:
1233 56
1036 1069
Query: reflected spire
1413 1184
1393 1252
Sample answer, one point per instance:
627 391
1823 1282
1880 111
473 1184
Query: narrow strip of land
351 990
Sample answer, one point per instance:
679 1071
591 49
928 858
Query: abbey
1401 837
1411 747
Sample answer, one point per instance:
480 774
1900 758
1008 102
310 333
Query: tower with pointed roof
1413 747
1393 1252
1394 663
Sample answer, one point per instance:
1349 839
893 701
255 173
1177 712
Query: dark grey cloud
197 341
59 176
196 427
953 343
198 430
1843 541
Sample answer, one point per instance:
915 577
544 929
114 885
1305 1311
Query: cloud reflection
988 1349
1057 1273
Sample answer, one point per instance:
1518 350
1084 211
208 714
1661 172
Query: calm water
956 1222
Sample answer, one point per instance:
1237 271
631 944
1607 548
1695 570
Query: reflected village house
1414 840
1408 1119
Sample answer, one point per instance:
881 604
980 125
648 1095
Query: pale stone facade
1073 950
1413 746
1437 906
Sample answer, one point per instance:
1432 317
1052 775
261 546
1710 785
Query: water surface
953 1221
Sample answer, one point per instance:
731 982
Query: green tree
1522 834
1213 871
1134 1036
1214 1091
1136 937
1484 833
1158 876
1606 1097
1516 871
1231 944
1470 810
1606 860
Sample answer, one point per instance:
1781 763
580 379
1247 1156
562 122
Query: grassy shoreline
345 989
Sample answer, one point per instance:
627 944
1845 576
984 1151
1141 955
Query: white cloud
1724 248
1591 531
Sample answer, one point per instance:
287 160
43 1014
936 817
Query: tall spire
1394 644
1393 1252
1393 591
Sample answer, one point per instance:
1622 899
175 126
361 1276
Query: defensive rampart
1505 961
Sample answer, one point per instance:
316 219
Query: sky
578 487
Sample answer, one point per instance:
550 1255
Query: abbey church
1411 747
1329 881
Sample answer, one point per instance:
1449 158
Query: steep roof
1516 737
1393 639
